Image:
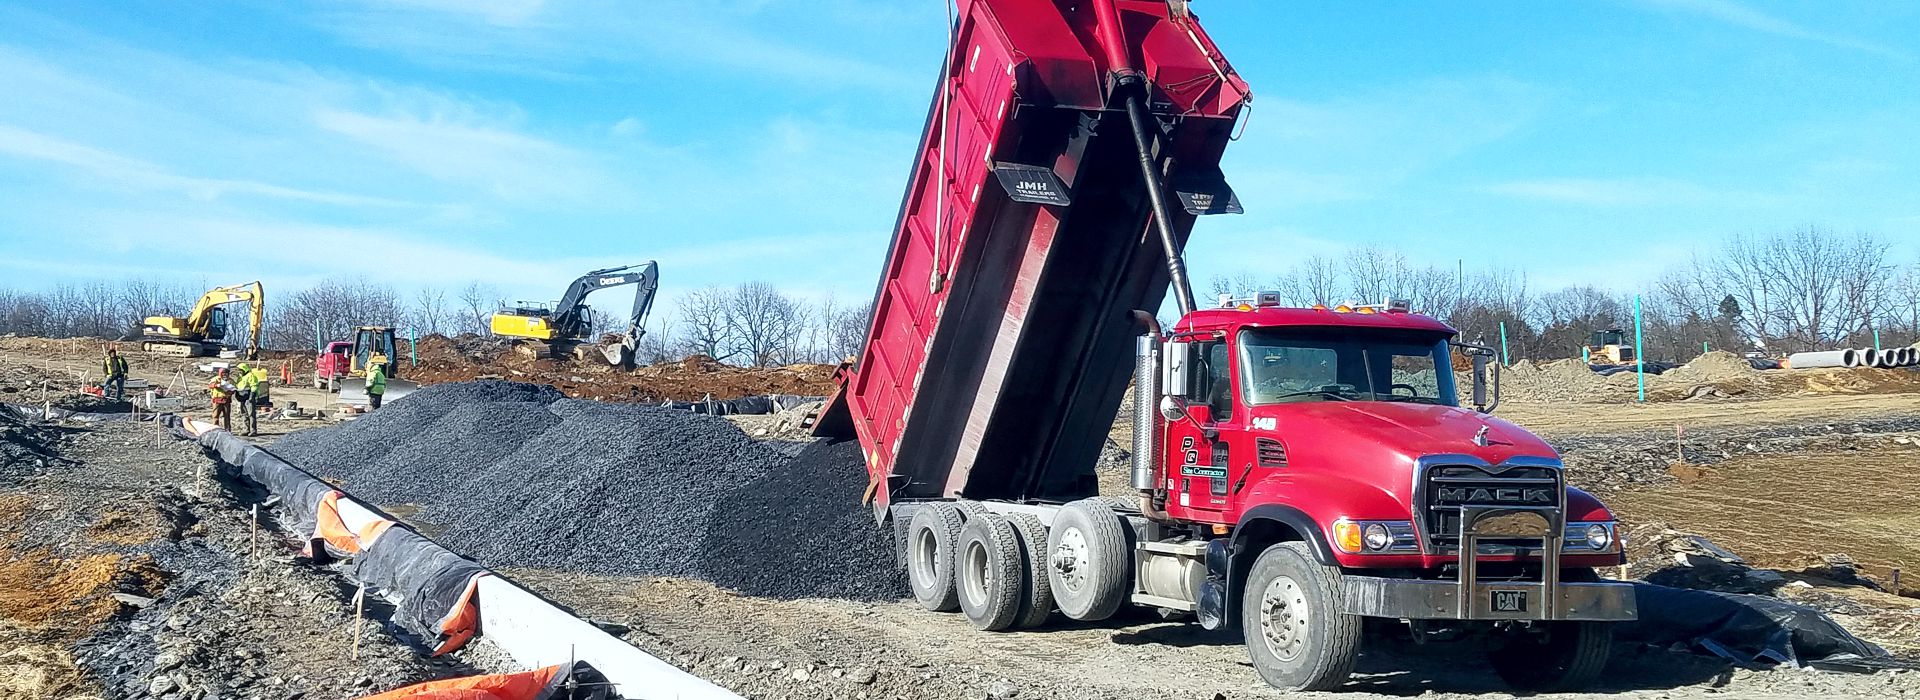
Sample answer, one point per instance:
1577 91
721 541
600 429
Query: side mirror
1176 359
1172 408
1485 372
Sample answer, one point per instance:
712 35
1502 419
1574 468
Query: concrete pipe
1883 359
1908 357
1829 358
1868 357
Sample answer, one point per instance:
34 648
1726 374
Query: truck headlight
1599 537
1581 538
1377 537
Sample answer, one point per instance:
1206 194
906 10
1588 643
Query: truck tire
1088 561
1036 605
931 538
988 572
1567 657
969 509
1296 635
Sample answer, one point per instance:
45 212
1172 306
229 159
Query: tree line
1809 288
1782 292
753 323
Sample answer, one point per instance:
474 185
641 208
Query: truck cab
1335 438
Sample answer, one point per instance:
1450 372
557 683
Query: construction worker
243 391
376 385
114 368
222 392
252 385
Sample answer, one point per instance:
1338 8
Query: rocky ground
129 568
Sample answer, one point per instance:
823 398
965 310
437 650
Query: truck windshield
1283 365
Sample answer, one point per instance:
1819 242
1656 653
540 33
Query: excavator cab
373 346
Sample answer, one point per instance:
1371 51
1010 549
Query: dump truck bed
1001 338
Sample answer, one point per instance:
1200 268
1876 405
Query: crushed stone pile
796 531
1558 381
516 475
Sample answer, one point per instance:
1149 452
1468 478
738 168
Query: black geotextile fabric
1748 629
746 405
426 578
42 412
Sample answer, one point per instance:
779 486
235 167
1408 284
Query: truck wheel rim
974 578
1071 559
1283 617
925 556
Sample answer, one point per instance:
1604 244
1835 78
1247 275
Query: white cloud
1736 14
1361 146
26 144
506 164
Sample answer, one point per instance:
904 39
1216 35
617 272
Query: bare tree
478 302
1319 281
430 310
704 316
765 323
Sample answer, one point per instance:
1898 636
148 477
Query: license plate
1509 601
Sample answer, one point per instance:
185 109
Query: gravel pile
799 532
356 446
515 476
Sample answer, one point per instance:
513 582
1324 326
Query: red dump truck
1309 477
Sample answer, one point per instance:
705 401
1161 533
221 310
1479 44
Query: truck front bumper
1418 599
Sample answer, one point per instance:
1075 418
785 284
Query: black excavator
566 328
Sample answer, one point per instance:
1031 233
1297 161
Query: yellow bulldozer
1609 347
373 345
201 332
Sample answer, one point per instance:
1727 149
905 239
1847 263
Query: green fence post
1639 353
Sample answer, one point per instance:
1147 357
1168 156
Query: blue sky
520 142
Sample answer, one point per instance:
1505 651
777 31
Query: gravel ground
127 571
1605 462
799 532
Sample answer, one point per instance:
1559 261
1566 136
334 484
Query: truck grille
1448 487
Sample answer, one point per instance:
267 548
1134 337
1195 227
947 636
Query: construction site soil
1798 482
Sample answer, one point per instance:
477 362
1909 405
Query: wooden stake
1679 448
359 608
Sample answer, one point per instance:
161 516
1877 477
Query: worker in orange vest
222 392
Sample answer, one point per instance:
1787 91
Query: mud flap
1207 192
1032 184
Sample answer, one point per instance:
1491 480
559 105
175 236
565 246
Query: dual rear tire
1010 571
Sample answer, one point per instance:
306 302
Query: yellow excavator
373 345
200 333
565 328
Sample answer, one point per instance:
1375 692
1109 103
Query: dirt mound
1553 382
470 357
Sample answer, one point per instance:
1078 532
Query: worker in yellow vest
376 385
114 368
254 388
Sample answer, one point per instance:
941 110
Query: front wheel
1296 635
1562 657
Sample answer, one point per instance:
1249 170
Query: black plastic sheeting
1746 629
423 579
1652 368
427 579
745 406
35 413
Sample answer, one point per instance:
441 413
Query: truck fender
1259 528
